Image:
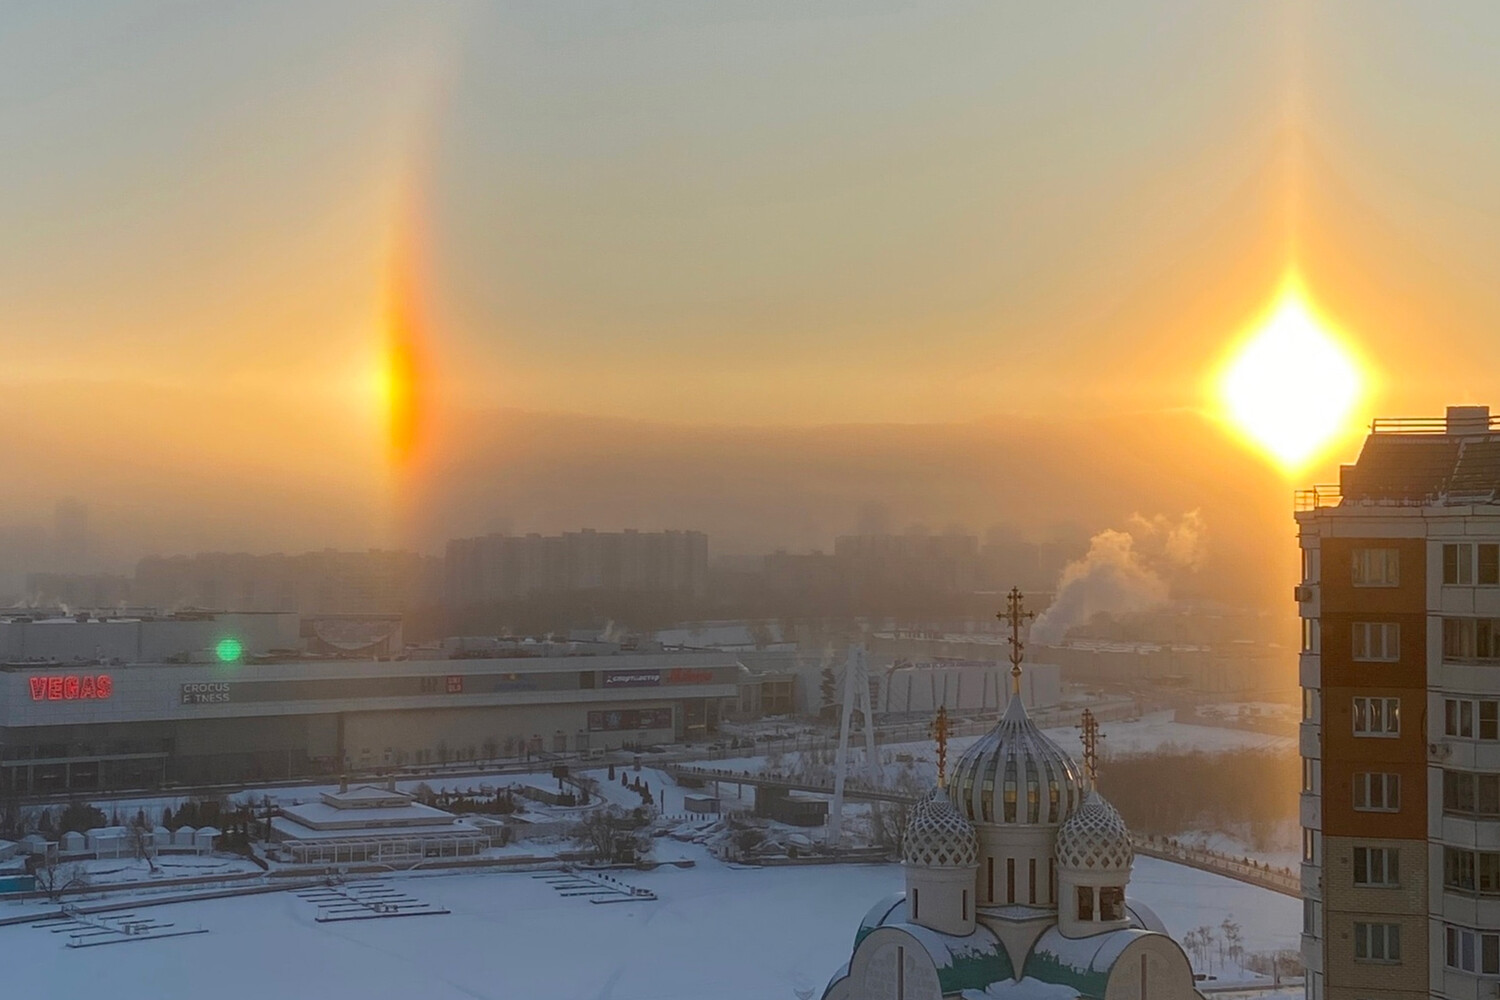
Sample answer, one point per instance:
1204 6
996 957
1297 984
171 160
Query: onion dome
937 835
1014 774
1095 838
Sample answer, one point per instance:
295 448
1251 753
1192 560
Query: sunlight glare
1291 388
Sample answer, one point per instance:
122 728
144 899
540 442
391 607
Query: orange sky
879 213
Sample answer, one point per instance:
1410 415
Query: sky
606 229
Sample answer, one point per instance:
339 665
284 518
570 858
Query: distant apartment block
324 582
500 567
1400 673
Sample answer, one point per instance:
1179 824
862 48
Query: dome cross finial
940 731
1015 616
1090 737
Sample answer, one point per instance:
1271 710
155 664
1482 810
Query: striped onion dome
937 835
1095 838
1014 774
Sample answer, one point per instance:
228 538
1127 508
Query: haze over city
977 481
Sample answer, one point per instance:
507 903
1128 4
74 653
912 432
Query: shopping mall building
89 705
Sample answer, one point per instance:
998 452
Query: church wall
1151 968
1023 845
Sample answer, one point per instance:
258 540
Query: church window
915 904
1086 903
1010 880
1112 903
1031 878
1052 800
989 868
964 912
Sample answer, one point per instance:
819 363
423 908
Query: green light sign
229 650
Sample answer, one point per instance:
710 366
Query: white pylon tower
856 690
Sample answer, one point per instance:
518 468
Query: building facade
1400 672
501 567
78 726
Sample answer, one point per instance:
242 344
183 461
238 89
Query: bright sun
1291 386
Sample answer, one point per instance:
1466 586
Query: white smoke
1123 572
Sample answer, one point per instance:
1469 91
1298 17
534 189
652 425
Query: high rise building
1400 740
500 567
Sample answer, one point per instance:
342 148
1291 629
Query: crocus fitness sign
71 687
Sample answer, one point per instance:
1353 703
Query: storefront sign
71 687
631 678
205 693
630 719
690 675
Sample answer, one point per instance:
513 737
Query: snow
716 931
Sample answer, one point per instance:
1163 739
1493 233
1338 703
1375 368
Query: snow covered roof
322 816
962 961
1080 963
288 830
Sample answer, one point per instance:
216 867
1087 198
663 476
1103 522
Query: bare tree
142 844
55 879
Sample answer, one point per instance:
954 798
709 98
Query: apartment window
1376 866
1377 792
1309 635
1377 716
1310 917
1377 942
1471 639
1468 950
1467 563
1377 567
1466 718
1309 774
1312 842
1377 641
1309 704
1469 794
1309 565
1471 871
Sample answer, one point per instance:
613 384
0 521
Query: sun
1291 387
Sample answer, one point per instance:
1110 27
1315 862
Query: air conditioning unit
1302 592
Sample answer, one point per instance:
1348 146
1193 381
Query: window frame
1363 650
1376 716
1381 867
1368 570
1389 783
1366 935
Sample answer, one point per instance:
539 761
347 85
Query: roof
290 830
963 961
322 816
1436 461
1080 963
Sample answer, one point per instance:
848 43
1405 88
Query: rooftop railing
1315 497
1427 425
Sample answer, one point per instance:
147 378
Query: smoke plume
1123 572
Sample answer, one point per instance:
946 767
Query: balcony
1310 740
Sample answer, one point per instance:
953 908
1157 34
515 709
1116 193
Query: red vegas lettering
71 687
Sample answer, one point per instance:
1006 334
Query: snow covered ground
736 934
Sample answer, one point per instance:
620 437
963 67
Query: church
1016 876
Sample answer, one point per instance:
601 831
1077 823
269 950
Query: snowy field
736 934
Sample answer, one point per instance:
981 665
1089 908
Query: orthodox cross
1091 737
1015 616
940 732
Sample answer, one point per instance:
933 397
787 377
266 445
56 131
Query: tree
142 844
79 817
55 879
596 832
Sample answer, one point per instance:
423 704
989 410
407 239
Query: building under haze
1016 876
328 581
1400 671
502 567
89 705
